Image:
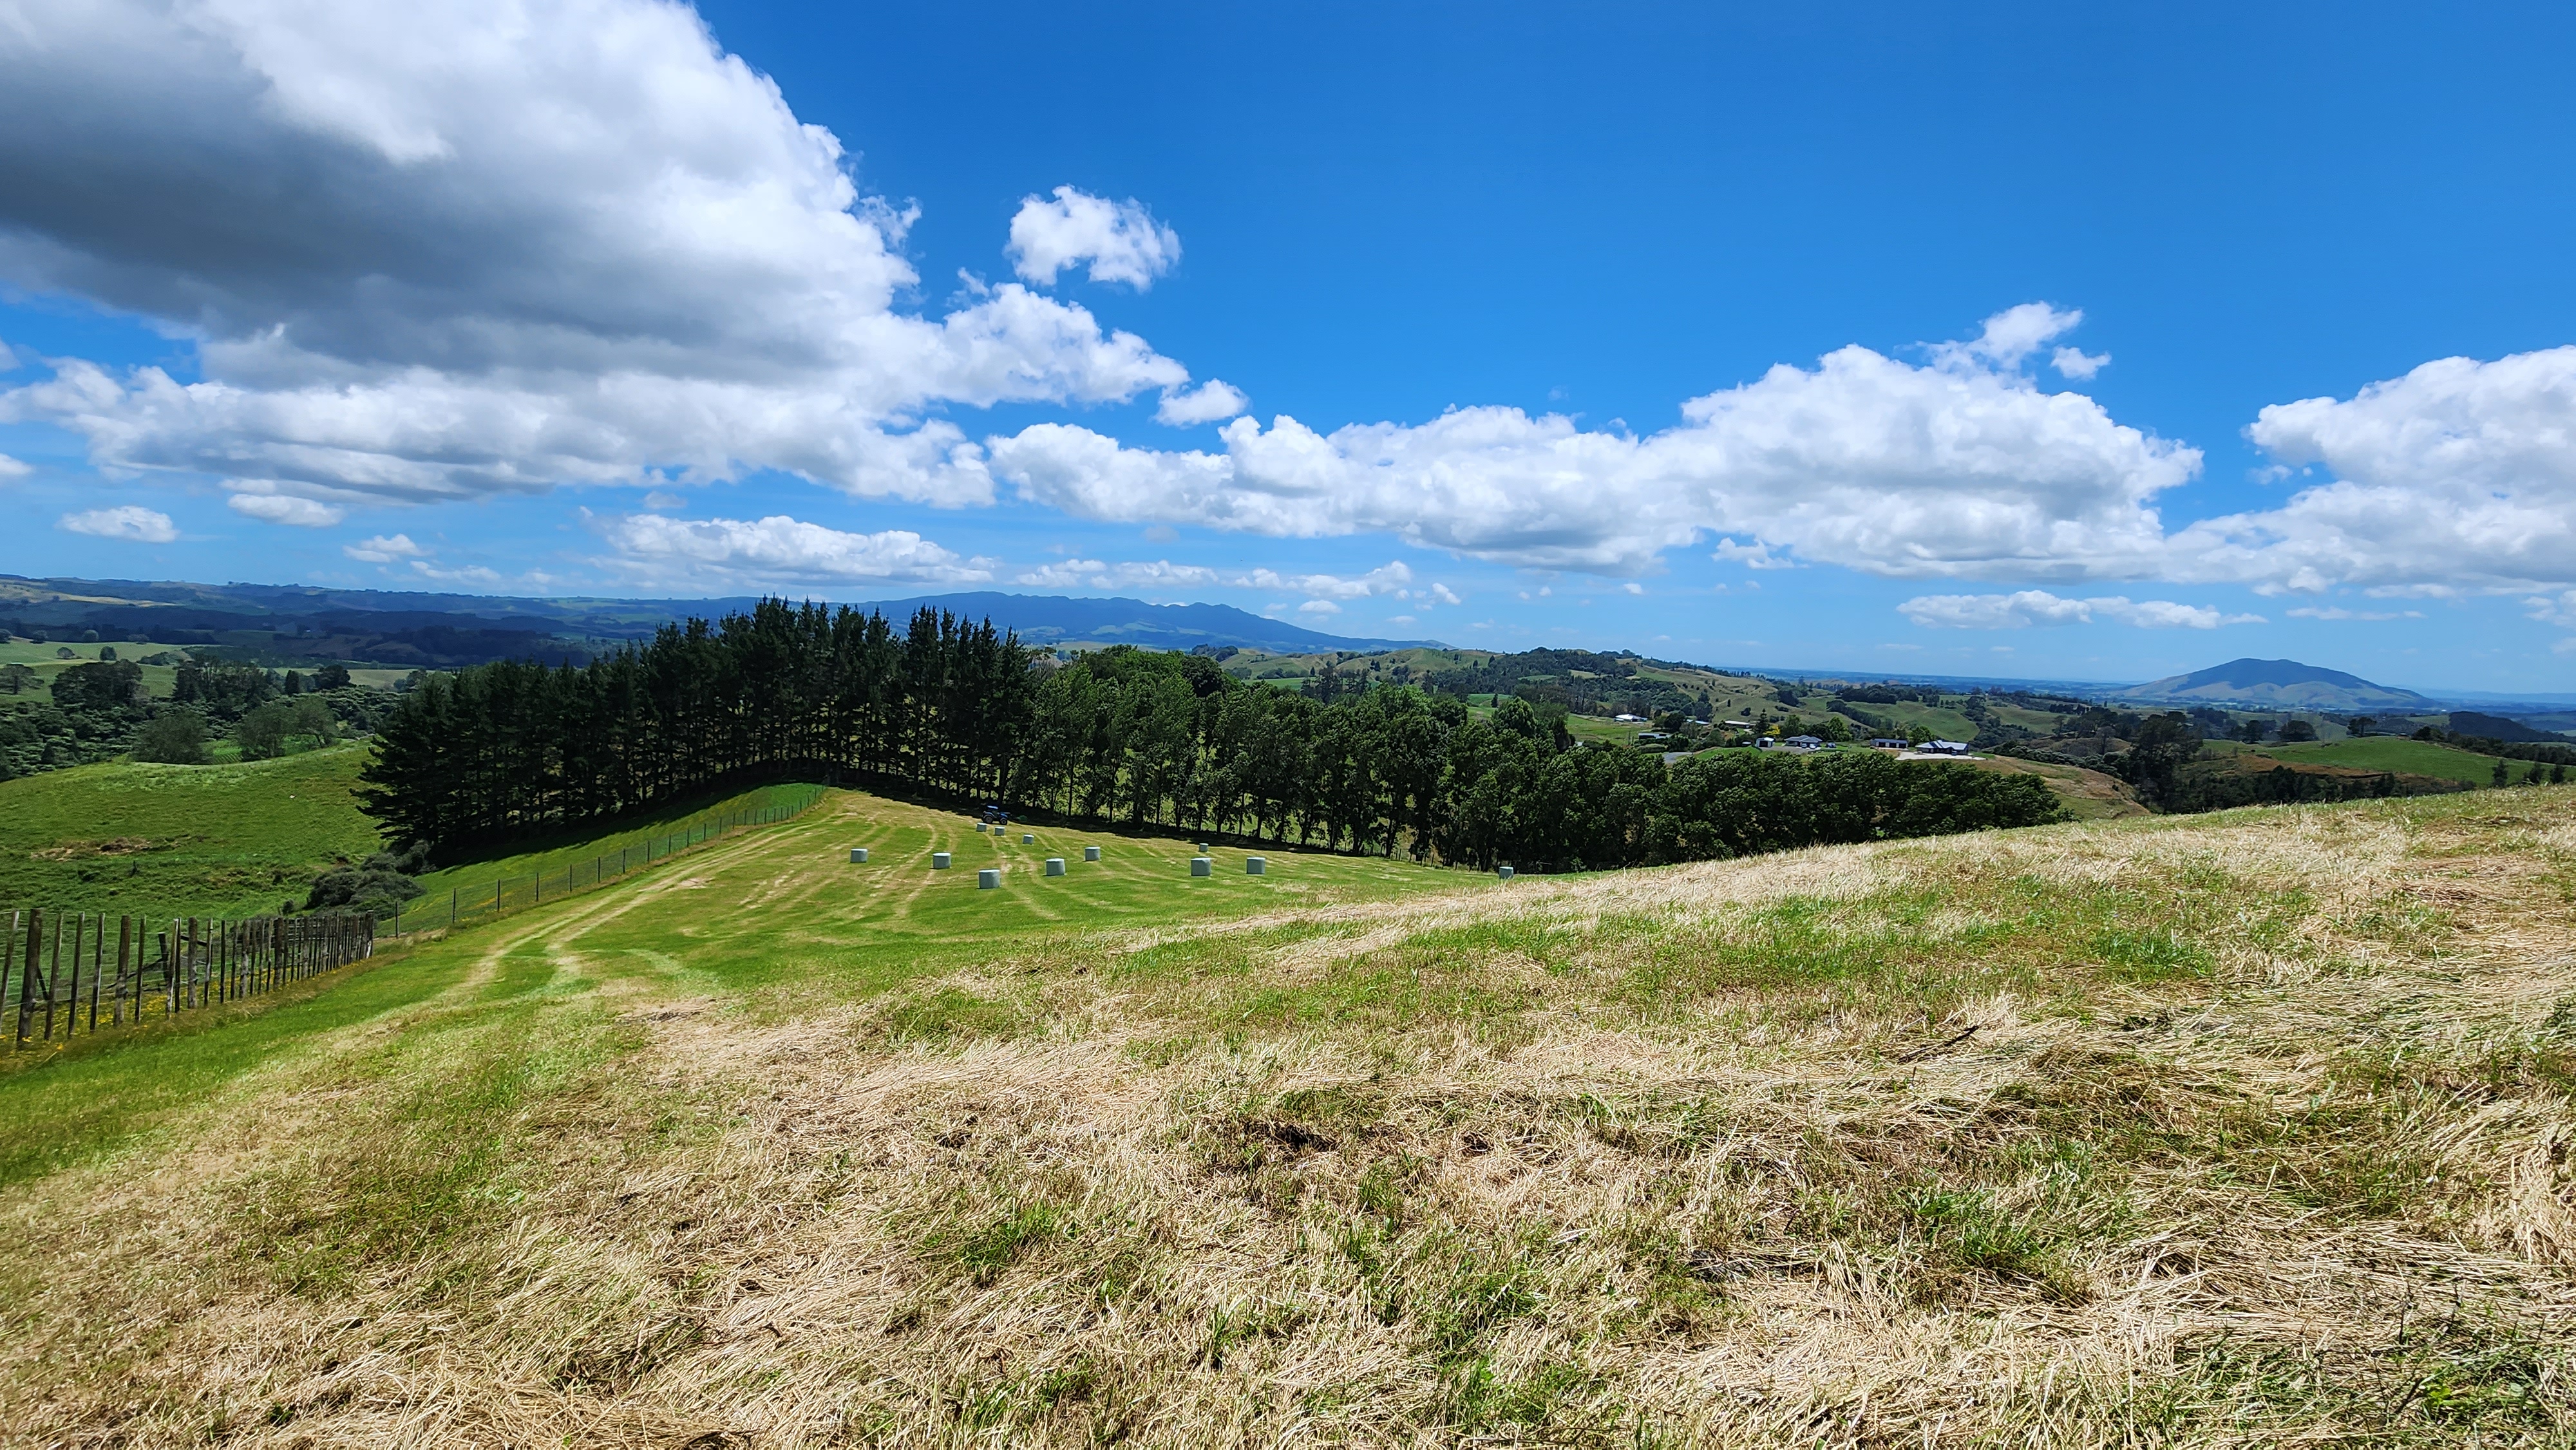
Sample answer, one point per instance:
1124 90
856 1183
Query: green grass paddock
2390 753
179 840
773 920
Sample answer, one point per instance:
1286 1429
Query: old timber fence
64 975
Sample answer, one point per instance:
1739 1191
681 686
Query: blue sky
585 313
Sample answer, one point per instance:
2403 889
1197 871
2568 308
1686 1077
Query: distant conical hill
2282 685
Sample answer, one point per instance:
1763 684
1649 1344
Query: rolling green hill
175 840
2382 752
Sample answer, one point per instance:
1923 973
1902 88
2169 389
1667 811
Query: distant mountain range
289 624
282 624
2278 684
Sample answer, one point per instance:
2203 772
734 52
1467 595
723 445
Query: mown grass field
2243 1129
179 840
474 877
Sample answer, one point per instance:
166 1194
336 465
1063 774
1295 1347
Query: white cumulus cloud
384 549
461 247
1210 402
2338 612
1162 574
2010 336
131 522
782 549
2560 611
1961 468
2075 363
2459 476
13 468
284 508
2027 608
1119 240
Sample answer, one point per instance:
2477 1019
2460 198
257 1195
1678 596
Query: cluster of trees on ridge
956 710
100 709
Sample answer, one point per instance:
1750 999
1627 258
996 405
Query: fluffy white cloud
1119 239
1392 578
2009 337
2338 612
384 549
1319 607
2029 607
2560 611
285 508
1210 402
1388 579
13 468
2075 363
784 549
126 521
1159 574
465 246
1751 556
2460 475
468 574
1961 468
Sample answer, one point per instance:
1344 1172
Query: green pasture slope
551 857
759 925
179 840
2391 753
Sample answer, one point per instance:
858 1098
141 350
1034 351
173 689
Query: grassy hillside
217 840
2237 1129
2088 795
2389 753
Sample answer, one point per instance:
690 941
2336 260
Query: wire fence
64 973
483 901
58 967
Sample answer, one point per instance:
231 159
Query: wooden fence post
72 989
27 964
124 949
54 975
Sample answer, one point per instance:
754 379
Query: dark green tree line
958 711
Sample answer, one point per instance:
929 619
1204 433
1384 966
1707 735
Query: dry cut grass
2251 1129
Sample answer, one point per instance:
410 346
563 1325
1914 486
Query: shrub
262 733
375 885
174 737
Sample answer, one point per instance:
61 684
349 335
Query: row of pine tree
957 711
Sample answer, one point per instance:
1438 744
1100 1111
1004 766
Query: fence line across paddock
500 897
64 973
59 974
